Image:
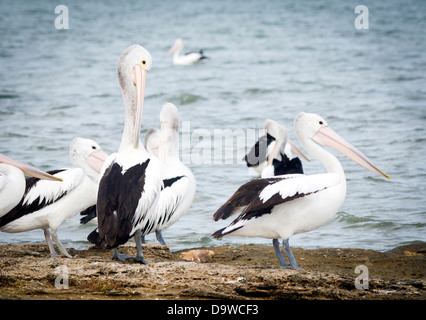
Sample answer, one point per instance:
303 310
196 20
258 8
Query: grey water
267 59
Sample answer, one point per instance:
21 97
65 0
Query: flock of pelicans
144 189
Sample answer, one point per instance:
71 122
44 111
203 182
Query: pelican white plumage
281 206
12 181
179 183
131 178
47 204
186 59
272 153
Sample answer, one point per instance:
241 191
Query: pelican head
27 169
312 127
169 119
132 69
169 115
87 155
280 134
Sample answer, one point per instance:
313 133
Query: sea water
366 75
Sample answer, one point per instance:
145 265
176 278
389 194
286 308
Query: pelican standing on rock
282 206
272 153
131 178
179 183
186 59
47 204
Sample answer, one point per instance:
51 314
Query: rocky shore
227 272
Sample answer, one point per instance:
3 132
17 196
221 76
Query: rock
198 255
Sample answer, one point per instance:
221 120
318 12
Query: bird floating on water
186 59
45 204
131 178
272 154
282 206
179 183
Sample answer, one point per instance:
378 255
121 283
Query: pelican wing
289 188
118 198
44 191
175 198
41 193
126 194
245 194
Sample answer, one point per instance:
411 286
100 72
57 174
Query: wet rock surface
229 272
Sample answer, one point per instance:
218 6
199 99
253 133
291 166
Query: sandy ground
228 272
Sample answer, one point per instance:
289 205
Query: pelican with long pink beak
41 202
131 178
282 206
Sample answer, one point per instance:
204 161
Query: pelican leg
48 238
139 255
143 239
119 256
291 258
276 244
60 245
160 238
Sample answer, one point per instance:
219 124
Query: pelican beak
273 153
97 159
297 151
28 170
327 137
139 80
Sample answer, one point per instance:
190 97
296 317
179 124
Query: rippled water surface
267 59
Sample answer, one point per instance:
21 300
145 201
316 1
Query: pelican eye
321 122
143 62
94 147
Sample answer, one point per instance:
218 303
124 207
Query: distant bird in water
47 204
272 153
179 183
282 206
186 59
130 180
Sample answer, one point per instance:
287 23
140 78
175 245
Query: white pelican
272 153
46 204
186 59
281 206
179 182
131 178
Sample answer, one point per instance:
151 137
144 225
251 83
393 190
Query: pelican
46 204
186 59
281 206
272 153
179 182
130 179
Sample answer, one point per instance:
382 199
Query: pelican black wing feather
88 214
118 198
287 166
245 194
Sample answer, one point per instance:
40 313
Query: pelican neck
329 161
